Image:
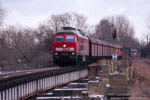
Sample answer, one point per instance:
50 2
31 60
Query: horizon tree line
19 43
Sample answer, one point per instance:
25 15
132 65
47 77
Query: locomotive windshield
59 38
70 38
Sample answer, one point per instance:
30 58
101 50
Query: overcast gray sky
32 12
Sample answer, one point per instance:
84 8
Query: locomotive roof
78 33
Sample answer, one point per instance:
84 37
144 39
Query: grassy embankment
141 73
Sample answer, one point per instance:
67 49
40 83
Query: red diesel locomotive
71 46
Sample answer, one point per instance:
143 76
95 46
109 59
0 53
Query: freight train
72 46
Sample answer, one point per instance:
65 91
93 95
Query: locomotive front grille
63 56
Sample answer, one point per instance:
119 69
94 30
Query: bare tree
3 47
104 29
125 31
56 22
21 42
45 36
46 30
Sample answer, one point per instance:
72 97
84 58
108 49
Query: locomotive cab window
59 38
70 38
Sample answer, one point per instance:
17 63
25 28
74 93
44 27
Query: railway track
22 73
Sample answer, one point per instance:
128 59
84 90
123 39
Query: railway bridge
24 84
20 85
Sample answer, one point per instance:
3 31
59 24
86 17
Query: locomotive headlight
64 45
56 53
73 53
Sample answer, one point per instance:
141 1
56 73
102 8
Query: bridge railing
25 84
7 68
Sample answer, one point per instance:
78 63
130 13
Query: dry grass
141 72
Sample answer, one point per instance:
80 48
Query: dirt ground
141 75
